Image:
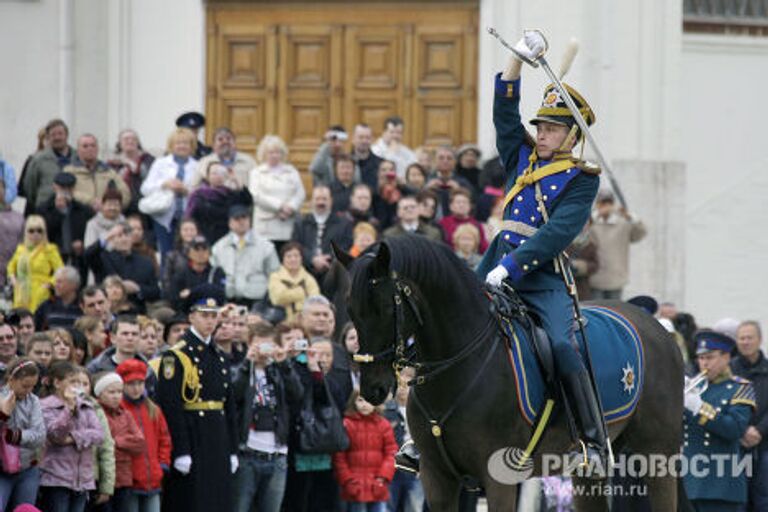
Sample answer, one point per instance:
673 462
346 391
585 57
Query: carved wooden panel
308 60
244 62
439 59
438 122
246 119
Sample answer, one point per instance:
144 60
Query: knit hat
131 370
106 380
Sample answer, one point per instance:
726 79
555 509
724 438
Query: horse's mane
430 264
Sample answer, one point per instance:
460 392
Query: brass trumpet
697 384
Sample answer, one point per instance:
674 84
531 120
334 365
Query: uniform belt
518 227
207 405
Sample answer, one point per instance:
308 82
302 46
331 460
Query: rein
428 370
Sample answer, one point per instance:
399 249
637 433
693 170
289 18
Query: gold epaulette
190 379
587 167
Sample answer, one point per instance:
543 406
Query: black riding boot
407 457
584 402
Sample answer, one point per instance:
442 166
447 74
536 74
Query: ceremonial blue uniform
715 431
527 245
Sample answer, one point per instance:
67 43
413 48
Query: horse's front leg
441 489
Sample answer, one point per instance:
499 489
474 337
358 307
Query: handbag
322 427
156 203
10 455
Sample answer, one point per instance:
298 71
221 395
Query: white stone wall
724 149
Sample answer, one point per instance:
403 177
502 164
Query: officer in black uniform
195 394
195 121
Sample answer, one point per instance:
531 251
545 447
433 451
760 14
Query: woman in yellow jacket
31 269
291 283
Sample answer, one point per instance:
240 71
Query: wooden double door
295 69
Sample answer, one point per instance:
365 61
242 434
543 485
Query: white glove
531 45
535 42
183 464
233 463
496 276
693 402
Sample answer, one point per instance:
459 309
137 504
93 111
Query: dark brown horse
411 287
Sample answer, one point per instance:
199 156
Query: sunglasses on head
35 230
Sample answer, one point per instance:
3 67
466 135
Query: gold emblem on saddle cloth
629 378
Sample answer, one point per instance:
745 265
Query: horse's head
383 308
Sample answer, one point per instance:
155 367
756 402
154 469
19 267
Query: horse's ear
381 264
339 253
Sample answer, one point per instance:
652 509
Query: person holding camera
73 430
265 388
322 165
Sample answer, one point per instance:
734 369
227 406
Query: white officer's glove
183 464
531 45
496 276
535 42
693 402
233 463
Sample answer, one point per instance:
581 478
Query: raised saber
540 60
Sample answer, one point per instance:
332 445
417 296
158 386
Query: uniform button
685 435
225 385
533 219
706 443
723 402
516 211
538 208
535 262
545 197
553 187
525 268
685 443
224 372
199 372
729 386
706 434
202 413
197 359
506 237
522 242
568 171
519 198
221 359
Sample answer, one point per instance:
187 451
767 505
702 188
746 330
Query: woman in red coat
148 465
365 469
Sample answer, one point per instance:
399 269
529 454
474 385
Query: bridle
403 355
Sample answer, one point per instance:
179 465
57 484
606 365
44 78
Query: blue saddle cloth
617 359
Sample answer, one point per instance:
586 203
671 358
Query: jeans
406 493
139 502
373 506
606 294
164 237
19 488
260 482
61 499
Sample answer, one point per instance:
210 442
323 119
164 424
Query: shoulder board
740 380
587 167
745 395
180 345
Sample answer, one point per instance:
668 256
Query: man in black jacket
315 231
750 363
66 219
266 387
114 255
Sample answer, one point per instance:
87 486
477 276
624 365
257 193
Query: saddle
617 356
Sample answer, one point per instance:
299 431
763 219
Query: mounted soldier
549 199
